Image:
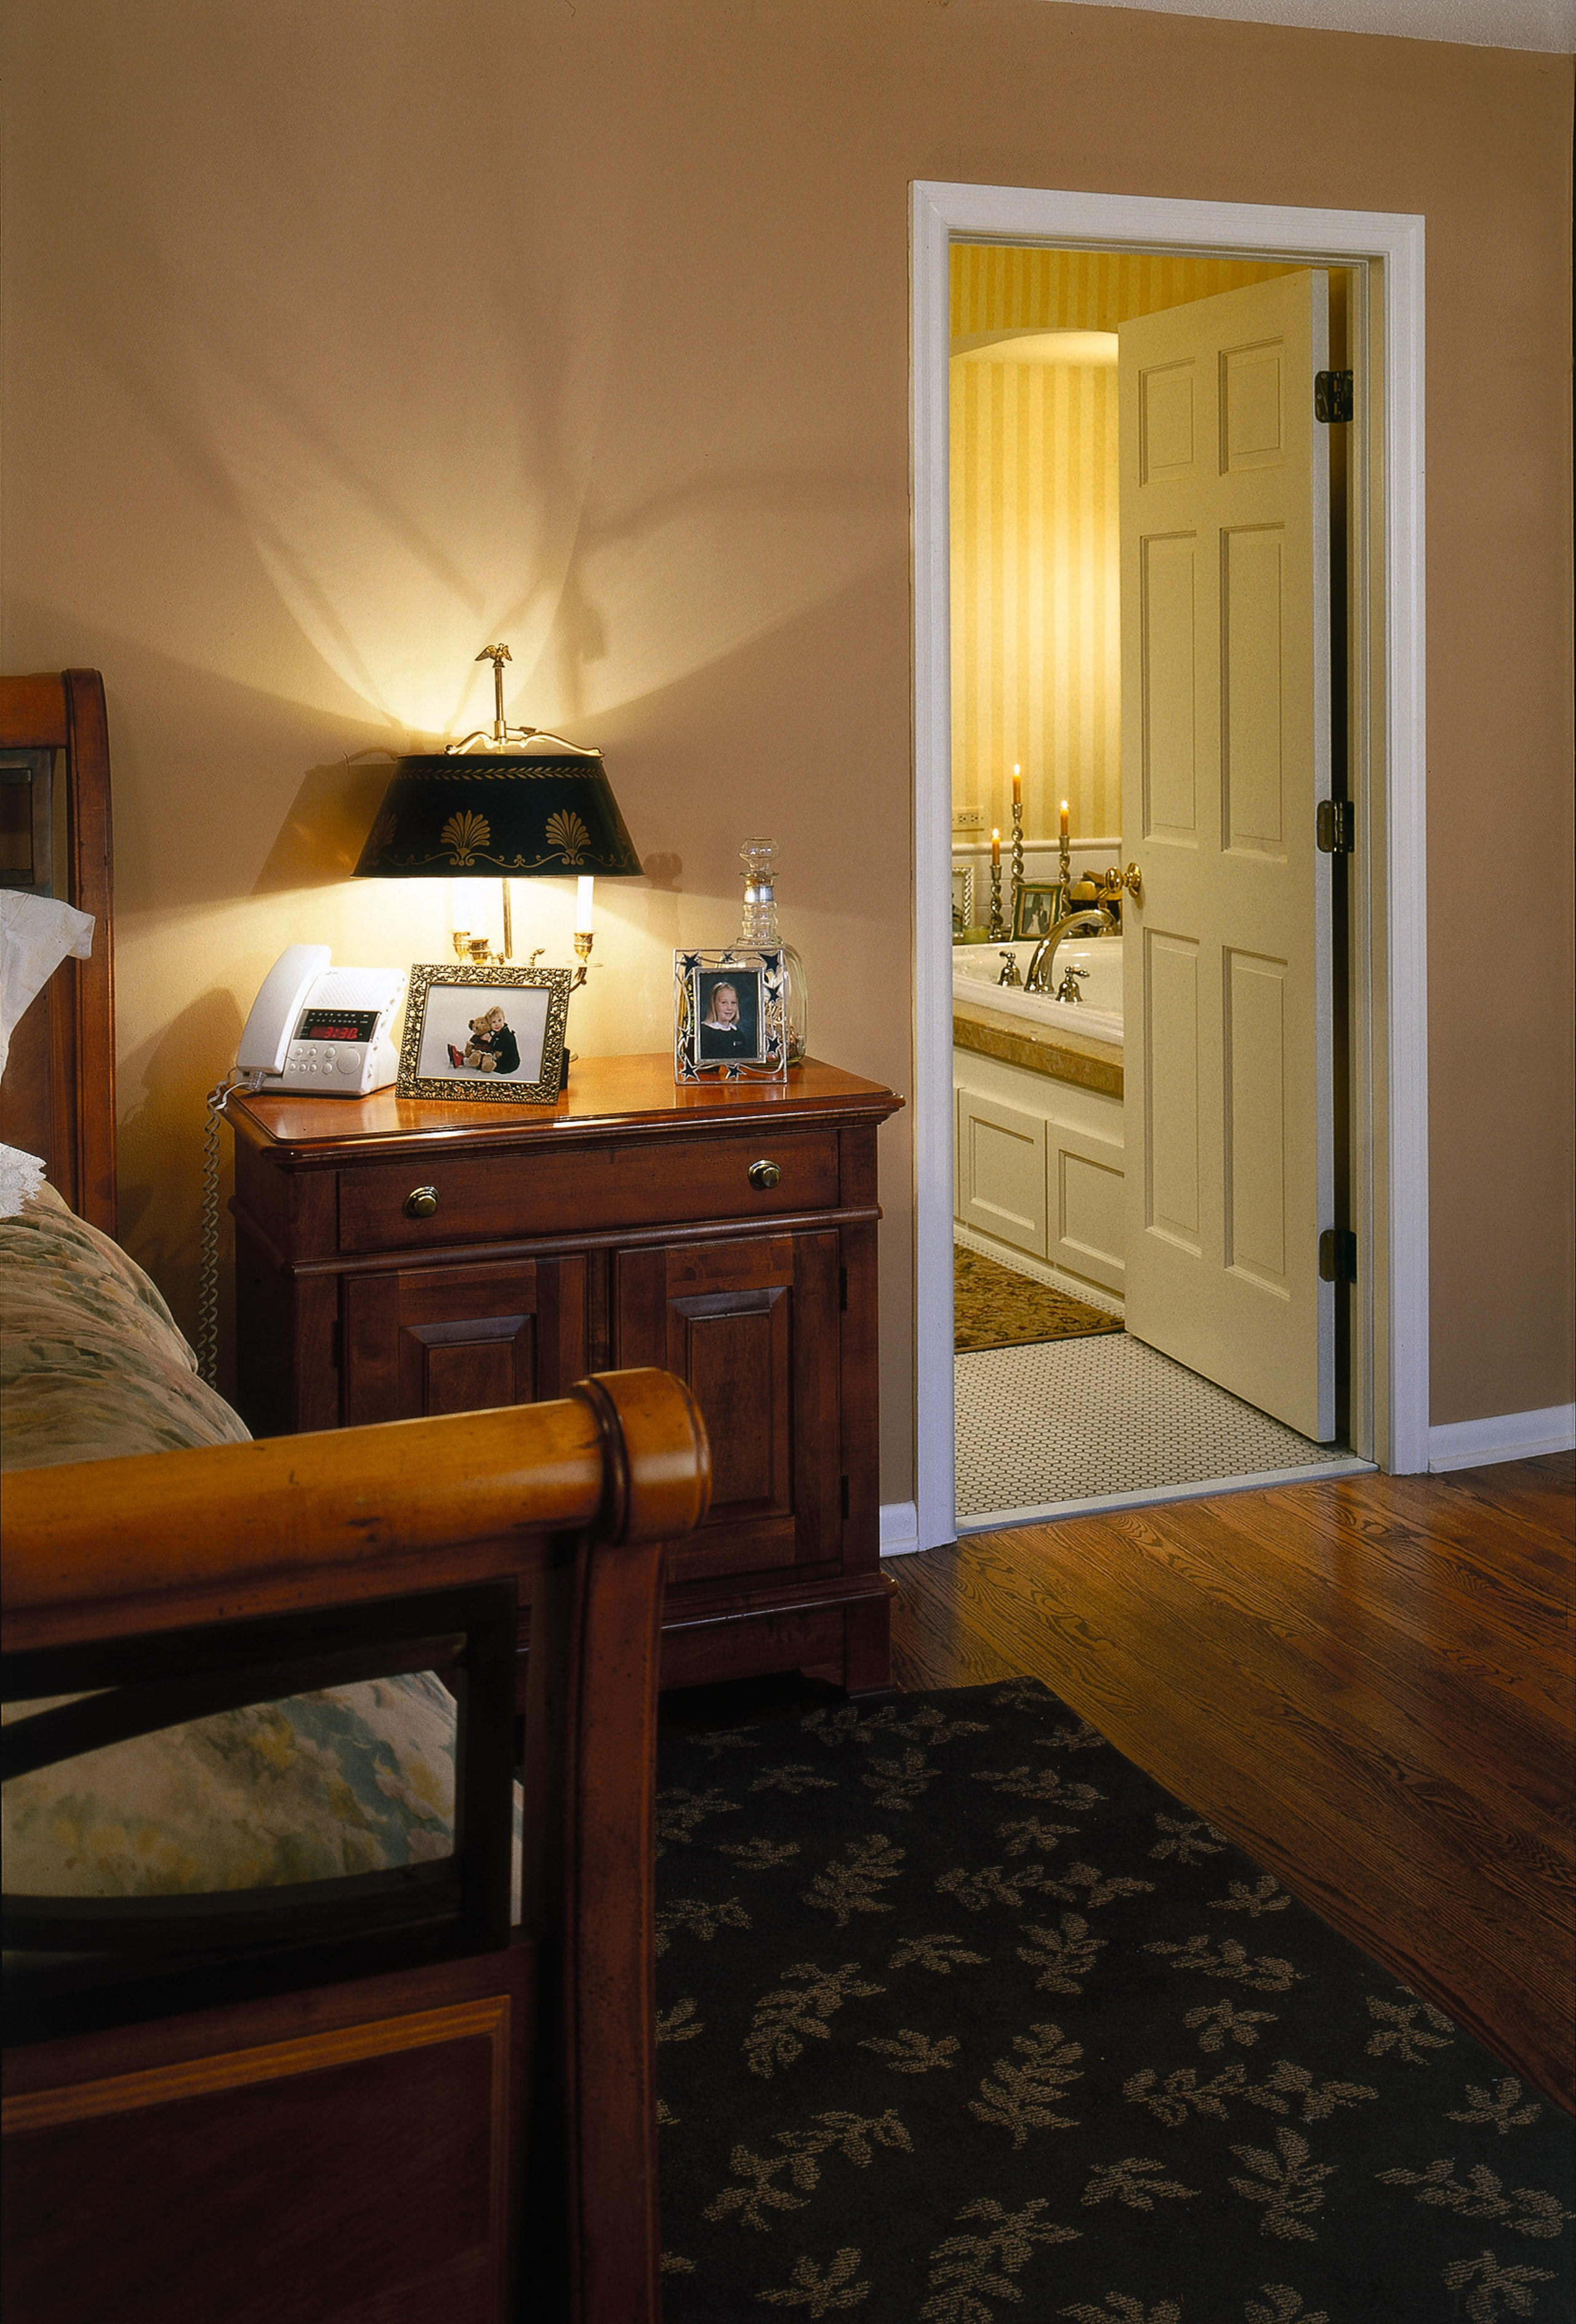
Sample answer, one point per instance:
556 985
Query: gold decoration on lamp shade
465 834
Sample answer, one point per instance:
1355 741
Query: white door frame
1387 957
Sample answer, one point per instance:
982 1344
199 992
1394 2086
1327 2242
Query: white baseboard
899 1527
1505 1436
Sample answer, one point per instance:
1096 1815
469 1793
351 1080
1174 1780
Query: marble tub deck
1061 1055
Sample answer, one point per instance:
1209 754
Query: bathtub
1098 1015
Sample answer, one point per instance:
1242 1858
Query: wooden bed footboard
431 2113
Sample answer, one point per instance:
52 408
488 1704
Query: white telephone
320 1031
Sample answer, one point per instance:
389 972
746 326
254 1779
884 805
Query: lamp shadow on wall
326 824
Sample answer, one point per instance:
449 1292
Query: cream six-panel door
1228 1107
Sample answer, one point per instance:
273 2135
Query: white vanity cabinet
1038 1164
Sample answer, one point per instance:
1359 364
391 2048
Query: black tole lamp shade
510 814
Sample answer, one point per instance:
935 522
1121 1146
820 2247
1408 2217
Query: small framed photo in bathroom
963 898
730 1017
1033 908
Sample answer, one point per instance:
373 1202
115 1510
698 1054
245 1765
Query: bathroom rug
995 1306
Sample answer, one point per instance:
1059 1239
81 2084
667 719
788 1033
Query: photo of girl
729 1013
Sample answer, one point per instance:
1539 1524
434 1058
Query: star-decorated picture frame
730 1016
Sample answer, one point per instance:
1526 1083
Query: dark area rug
962 2018
993 1307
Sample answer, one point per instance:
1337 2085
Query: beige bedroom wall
343 337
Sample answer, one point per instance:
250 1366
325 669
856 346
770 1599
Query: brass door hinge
1335 827
1337 1255
1332 396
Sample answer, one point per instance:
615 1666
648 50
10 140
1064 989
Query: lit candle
583 906
1018 786
995 851
1064 819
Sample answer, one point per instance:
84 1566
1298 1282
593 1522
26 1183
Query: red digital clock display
336 1025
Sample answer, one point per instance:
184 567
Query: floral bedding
355 1778
92 1363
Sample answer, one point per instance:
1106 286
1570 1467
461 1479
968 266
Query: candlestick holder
1061 898
1017 859
997 929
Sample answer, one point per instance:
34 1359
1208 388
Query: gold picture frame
1035 909
454 1050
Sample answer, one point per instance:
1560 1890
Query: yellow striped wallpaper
1035 637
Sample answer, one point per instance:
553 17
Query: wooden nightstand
395 1259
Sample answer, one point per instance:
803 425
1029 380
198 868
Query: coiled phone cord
208 1261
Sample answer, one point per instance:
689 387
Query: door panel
1170 1152
1169 741
1225 524
461 1339
752 1327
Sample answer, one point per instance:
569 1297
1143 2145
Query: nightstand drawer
411 1206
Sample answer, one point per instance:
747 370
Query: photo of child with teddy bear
492 1047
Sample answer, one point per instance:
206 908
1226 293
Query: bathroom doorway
1028 592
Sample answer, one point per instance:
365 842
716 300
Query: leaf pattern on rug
1288 2183
1017 1839
679 1814
852 2136
1001 1984
792 2015
1286 2307
1398 2029
1119 2308
695 1920
1039 1783
1266 1895
968 2270
821 2289
1221 2021
1187 1838
1496 2290
1130 2181
1526 2210
940 1954
1019 2096
1502 2107
897 1784
911 2052
854 1886
1063 1956
1269 1974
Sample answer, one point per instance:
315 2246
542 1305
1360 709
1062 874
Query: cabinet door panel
753 1328
461 1339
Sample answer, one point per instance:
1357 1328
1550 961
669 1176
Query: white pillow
36 934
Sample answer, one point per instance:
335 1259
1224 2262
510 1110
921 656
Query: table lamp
505 801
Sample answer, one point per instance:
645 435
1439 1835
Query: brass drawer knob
764 1175
421 1202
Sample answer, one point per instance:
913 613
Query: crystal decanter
758 932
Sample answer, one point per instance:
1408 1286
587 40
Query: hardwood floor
1366 1682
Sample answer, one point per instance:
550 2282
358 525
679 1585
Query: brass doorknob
764 1175
421 1202
1133 881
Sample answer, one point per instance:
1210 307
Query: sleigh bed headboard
58 1096
256 2092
